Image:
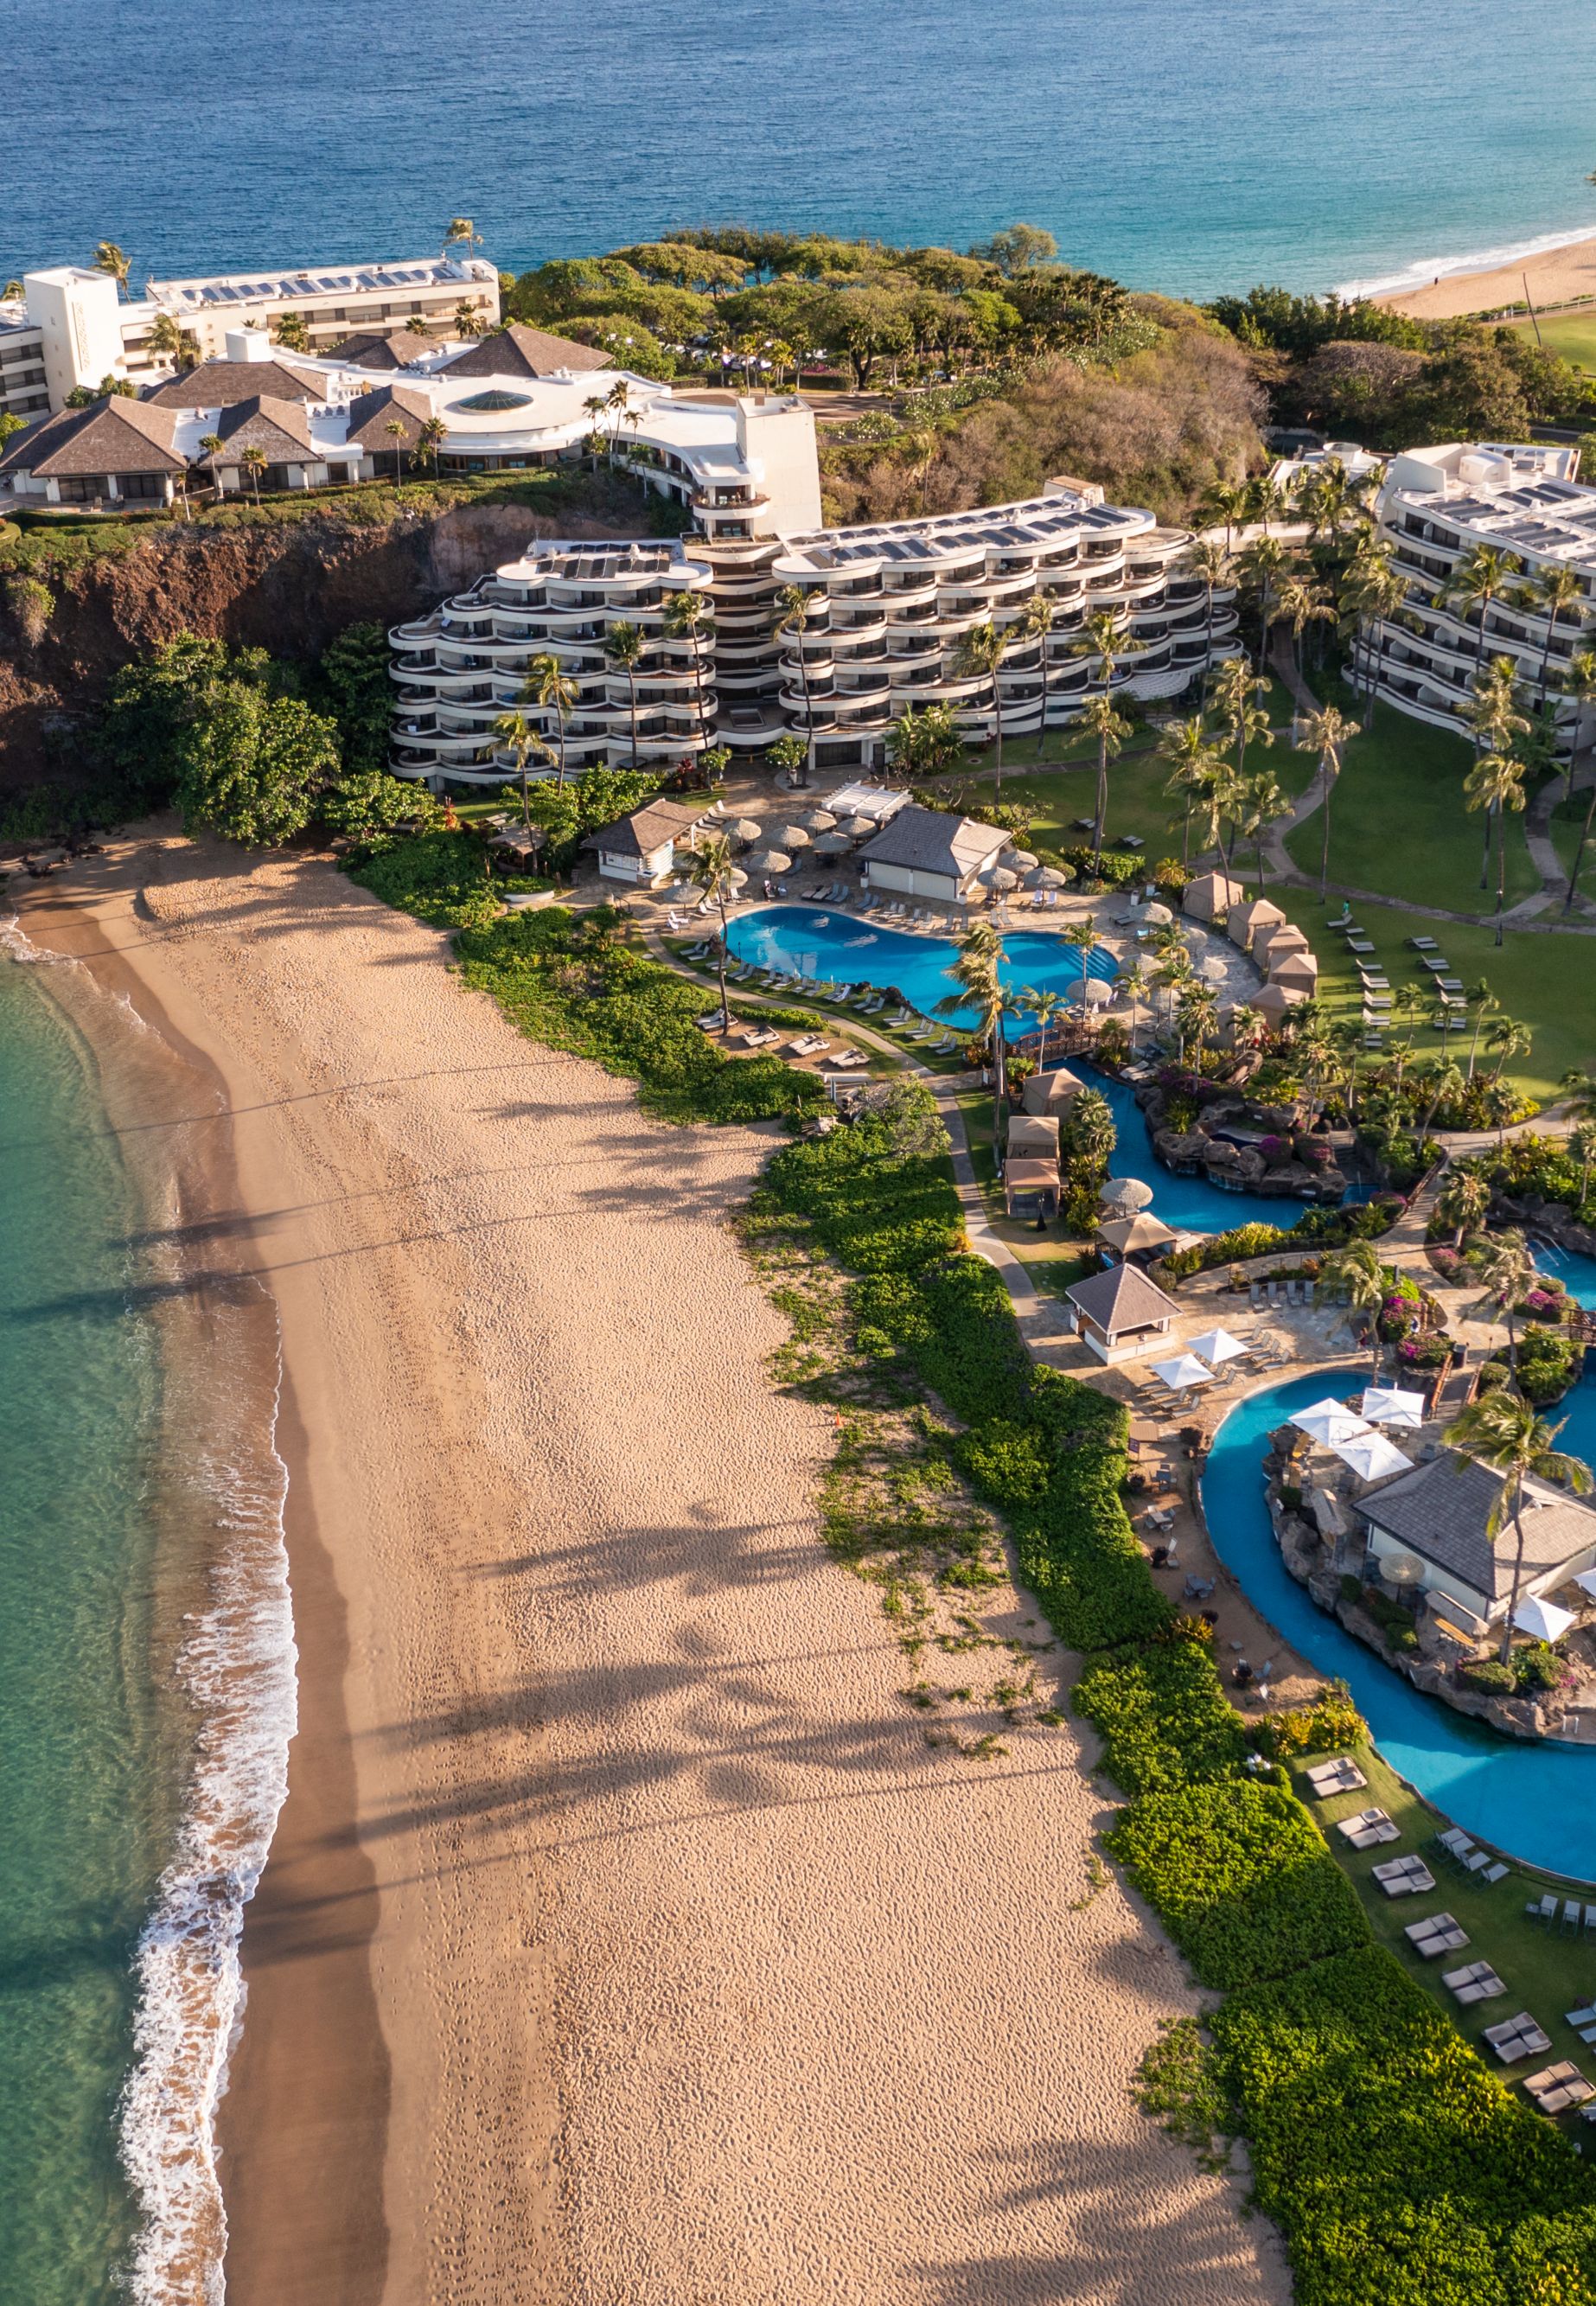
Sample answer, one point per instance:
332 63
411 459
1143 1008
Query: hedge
1162 1715
1241 1877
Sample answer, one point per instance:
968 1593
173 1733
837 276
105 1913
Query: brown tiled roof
518 351
219 384
396 350
646 829
280 427
386 405
114 435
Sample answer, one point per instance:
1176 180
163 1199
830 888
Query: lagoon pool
1536 1803
1191 1203
851 951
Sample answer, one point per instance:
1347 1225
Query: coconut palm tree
110 258
1261 801
518 737
431 435
792 605
1111 729
254 462
1264 565
1208 560
1485 1005
1196 1012
1476 582
1495 783
1133 983
1227 501
1236 694
688 618
1303 602
711 868
1045 1005
1581 686
623 646
594 408
1582 1147
1356 1274
1580 1099
1037 619
1184 743
1464 1202
290 331
1506 1434
1325 732
978 974
1509 1039
1106 635
398 434
979 657
1505 1265
1083 936
168 339
460 234
468 320
1217 795
214 447
1373 598
1443 1085
1549 591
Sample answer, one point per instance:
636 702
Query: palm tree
617 401
214 447
1303 602
1485 1005
110 258
1582 1147
551 688
1550 591
687 618
979 657
461 233
1184 743
1111 729
1504 1434
1479 580
1262 801
254 462
792 602
1236 694
1106 635
978 973
468 320
1045 1006
289 330
168 339
1464 1202
1581 1100
623 645
594 408
1196 1014
398 434
712 871
1356 1274
1496 784
1509 1039
1264 565
1443 1084
1325 732
1496 722
1218 795
1581 686
1227 501
431 435
1208 560
1083 936
1133 983
517 736
1037 619
1373 596
1506 1268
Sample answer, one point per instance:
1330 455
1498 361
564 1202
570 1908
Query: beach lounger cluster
807 1045
848 1060
1402 1877
1475 1981
1517 2037
1468 1858
1573 1921
1555 2089
1341 1776
1436 1933
1367 1828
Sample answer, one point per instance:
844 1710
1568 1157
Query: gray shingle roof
386 405
1123 1298
934 840
220 383
518 351
646 829
396 349
114 435
280 427
1440 1512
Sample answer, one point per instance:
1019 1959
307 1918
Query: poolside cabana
1051 1092
1031 1179
1247 921
1297 972
1272 1001
1211 894
1271 945
1119 1315
1135 1236
1034 1134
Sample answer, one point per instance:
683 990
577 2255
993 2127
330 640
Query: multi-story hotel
1439 506
70 328
885 611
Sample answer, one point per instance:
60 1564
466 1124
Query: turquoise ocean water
147 1687
1178 147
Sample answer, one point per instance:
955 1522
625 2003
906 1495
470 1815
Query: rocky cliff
286 588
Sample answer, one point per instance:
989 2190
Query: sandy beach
1556 276
623 1938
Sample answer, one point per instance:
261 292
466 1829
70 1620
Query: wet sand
1556 276
623 1937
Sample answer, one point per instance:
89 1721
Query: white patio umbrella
1125 1193
770 860
832 844
1183 1373
1159 916
1330 1422
1388 1405
738 877
791 836
1543 1620
1215 1346
1371 1457
819 820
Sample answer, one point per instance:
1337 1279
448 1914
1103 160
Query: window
142 484
82 487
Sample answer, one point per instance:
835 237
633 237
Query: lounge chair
1424 944
846 1058
1367 1827
1517 2037
1542 1909
760 1039
1341 1776
1403 1877
1359 944
944 1048
1555 2089
1436 1934
1568 1927
1497 1873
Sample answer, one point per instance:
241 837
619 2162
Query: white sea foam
238 1670
1444 267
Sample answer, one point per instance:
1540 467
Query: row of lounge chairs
1573 1921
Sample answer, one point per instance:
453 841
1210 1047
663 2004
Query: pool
1537 1802
1191 1203
846 951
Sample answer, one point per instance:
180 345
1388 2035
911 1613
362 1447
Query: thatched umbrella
998 876
1159 916
860 828
832 844
1214 969
745 829
1126 1193
770 860
819 820
1048 876
791 836
1097 991
1023 858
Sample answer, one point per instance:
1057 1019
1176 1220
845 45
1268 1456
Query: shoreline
692 1969
1560 268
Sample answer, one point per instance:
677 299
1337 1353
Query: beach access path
624 1938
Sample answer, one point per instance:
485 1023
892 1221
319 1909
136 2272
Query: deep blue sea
1187 148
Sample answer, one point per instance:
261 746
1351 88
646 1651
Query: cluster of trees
772 302
1359 370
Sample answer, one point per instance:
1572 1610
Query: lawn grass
1399 826
1571 334
1052 1258
1545 980
1543 1973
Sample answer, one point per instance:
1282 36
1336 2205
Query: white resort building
1437 506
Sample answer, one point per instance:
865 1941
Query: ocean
1188 149
146 1685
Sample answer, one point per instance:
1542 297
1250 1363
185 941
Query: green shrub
1492 1676
1329 1723
1241 1877
1162 1714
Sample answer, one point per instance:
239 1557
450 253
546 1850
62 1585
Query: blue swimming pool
1537 1802
1189 1202
838 947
